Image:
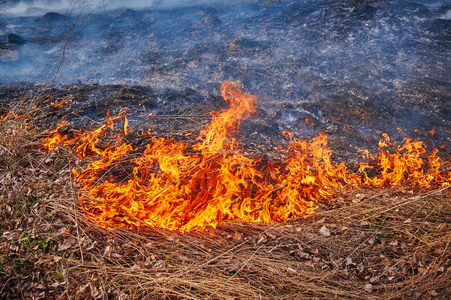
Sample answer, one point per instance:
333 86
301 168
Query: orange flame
55 139
58 104
406 164
176 186
10 115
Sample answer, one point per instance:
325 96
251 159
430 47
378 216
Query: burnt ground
171 113
353 69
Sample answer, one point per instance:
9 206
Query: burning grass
179 186
365 243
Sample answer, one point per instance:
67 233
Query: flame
55 139
178 186
20 116
4 116
404 163
11 115
58 104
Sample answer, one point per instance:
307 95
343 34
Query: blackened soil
350 124
350 69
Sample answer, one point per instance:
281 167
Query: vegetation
392 243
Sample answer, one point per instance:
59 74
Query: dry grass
366 244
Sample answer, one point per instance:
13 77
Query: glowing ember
58 104
176 186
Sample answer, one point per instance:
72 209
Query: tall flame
177 186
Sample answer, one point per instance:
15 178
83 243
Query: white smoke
40 7
447 16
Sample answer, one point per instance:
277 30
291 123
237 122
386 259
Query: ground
363 244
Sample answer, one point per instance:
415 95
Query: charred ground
354 69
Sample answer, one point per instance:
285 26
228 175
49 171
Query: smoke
34 8
447 15
286 50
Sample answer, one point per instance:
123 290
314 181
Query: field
365 243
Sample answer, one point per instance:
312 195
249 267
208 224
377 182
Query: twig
7 150
358 247
9 279
242 267
62 55
75 213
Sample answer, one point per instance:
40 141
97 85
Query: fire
404 163
54 139
59 104
177 186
